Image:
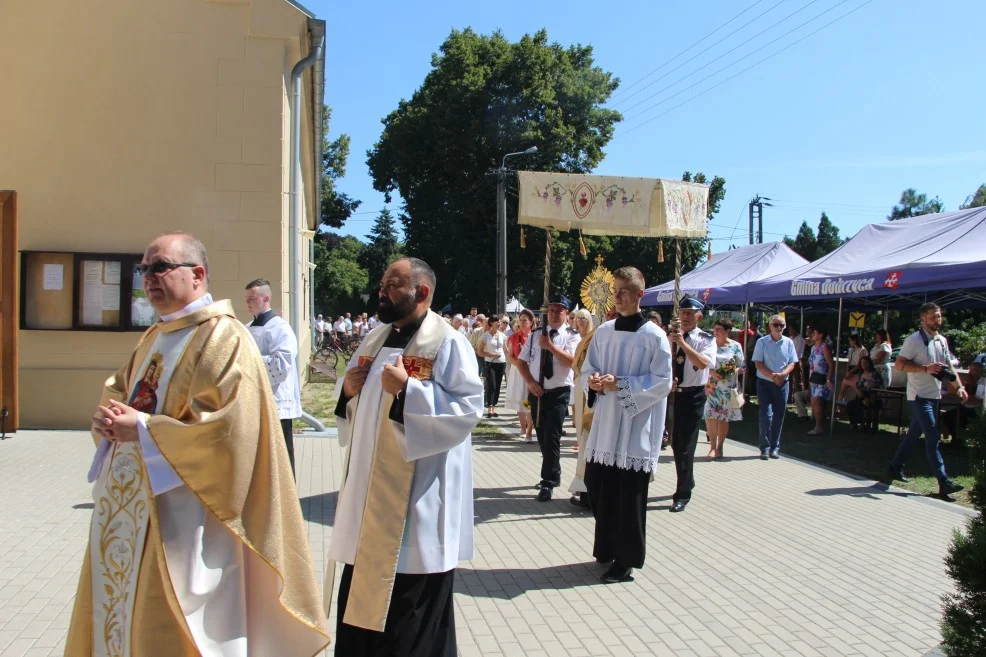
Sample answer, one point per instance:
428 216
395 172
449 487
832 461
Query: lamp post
501 230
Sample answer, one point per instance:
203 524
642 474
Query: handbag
818 379
736 398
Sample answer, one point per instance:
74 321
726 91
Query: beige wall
124 120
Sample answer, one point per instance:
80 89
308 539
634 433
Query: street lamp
501 230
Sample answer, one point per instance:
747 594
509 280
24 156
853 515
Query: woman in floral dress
718 414
819 368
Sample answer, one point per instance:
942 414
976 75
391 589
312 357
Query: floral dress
818 364
717 392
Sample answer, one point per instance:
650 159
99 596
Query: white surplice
627 425
279 349
439 416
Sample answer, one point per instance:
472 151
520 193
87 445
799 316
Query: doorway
8 312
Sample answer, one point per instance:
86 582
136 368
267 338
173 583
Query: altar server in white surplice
410 400
627 371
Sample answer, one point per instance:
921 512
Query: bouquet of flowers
726 369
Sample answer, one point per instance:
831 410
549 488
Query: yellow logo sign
857 320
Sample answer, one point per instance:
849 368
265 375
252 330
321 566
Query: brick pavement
771 558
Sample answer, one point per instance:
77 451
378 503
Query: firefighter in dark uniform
694 356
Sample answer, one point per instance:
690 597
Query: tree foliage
486 96
339 279
977 200
336 207
913 204
384 247
812 245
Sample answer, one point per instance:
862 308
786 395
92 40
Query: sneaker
947 487
763 456
774 455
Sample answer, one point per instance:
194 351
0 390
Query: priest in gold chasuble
197 544
410 400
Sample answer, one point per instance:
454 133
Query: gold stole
389 489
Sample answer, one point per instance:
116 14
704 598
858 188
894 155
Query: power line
618 93
751 66
825 203
731 50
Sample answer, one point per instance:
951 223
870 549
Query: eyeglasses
161 267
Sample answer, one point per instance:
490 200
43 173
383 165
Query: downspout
294 207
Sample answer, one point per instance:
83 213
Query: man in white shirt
694 357
546 364
320 328
339 328
474 317
374 322
926 360
279 349
410 398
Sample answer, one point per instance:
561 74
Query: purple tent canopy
723 280
943 253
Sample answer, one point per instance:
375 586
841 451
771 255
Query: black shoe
604 560
617 574
763 456
545 494
579 500
947 487
679 506
896 473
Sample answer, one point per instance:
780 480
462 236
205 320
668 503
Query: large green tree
913 204
336 206
384 247
339 278
977 200
812 245
486 96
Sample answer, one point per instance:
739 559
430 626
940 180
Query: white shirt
491 344
279 350
705 344
339 327
922 384
438 418
373 322
799 345
320 325
565 339
628 424
886 370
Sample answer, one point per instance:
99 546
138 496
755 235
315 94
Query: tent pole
746 320
835 364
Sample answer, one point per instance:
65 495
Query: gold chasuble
219 564
388 494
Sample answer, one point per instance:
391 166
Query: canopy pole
676 307
835 364
746 320
547 268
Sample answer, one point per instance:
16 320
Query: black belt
684 388
562 388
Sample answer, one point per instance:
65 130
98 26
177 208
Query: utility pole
501 230
756 212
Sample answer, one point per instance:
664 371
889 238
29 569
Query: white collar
198 304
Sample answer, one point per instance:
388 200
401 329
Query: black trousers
618 499
494 379
864 413
555 408
688 406
420 623
288 431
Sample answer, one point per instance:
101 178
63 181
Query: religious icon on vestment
144 397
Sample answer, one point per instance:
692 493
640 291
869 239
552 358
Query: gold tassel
523 240
660 250
581 245
710 249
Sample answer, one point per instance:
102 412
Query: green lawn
319 397
857 453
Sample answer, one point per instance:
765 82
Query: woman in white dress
516 399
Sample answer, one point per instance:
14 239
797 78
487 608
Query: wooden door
8 311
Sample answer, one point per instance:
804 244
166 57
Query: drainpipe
294 207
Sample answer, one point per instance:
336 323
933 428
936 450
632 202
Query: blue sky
889 97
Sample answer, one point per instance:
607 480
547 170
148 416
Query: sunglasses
158 268
780 326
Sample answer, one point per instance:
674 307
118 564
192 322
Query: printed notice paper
54 276
92 293
112 275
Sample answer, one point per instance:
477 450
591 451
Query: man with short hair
410 400
693 360
319 330
349 324
374 322
775 359
207 552
655 317
473 317
279 349
926 360
799 350
546 364
627 369
475 336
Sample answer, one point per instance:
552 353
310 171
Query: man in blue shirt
775 358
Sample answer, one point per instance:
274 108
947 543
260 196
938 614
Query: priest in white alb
404 519
197 545
627 370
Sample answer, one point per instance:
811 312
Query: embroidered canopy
610 205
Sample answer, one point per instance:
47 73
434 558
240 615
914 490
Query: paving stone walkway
771 558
